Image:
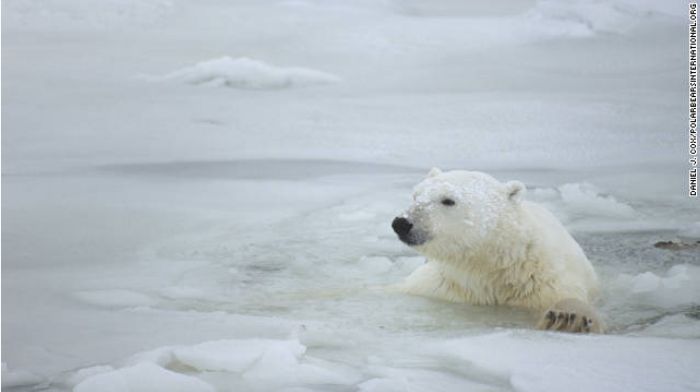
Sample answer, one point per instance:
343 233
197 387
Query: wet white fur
493 248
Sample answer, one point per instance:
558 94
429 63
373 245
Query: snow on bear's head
455 212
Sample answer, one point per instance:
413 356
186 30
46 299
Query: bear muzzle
402 227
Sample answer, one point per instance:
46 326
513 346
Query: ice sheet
240 239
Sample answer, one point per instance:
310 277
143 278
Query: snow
248 73
161 229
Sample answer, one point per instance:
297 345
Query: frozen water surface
187 234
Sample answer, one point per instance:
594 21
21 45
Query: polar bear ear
434 172
515 190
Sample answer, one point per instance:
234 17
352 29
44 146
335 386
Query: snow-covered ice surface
167 236
246 73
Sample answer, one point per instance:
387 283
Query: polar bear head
457 211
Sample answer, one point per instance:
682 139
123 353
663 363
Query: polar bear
485 245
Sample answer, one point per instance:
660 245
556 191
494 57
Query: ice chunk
143 377
677 288
238 355
678 276
285 366
261 362
645 282
248 74
584 206
584 198
162 356
532 361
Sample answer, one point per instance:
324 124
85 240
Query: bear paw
571 315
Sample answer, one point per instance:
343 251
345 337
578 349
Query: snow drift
246 73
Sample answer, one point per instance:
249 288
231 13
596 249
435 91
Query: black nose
401 226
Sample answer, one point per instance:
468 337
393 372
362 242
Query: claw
571 315
587 322
562 319
551 318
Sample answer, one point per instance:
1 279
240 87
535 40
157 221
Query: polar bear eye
447 202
